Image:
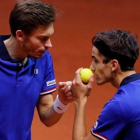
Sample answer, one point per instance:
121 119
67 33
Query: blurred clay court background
80 20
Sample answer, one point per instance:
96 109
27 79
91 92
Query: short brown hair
29 14
118 44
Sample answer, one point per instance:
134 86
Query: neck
120 76
14 49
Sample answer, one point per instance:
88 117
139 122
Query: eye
43 39
95 60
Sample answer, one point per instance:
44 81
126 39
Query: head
31 23
27 15
113 51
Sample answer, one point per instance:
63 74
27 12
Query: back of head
120 45
29 14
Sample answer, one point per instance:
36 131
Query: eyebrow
48 35
43 35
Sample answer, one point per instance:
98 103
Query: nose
48 44
92 67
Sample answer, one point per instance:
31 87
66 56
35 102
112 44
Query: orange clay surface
79 21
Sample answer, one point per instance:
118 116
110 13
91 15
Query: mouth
95 76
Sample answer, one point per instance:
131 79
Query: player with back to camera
114 54
26 72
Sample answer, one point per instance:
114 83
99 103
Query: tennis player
27 77
114 55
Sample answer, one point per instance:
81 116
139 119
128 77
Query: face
101 71
38 42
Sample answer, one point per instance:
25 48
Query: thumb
91 81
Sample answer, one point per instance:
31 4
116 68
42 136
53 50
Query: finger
69 94
61 84
69 83
71 97
91 81
77 77
68 89
64 84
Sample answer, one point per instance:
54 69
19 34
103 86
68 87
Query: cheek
33 41
28 47
103 75
33 45
100 71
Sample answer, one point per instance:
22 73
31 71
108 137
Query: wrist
63 102
80 105
80 101
59 107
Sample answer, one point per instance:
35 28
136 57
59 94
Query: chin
37 56
100 83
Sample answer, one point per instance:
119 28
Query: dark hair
120 45
29 14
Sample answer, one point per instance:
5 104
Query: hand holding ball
85 75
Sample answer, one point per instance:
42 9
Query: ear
20 35
114 64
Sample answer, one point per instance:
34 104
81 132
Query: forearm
79 128
50 117
47 114
50 112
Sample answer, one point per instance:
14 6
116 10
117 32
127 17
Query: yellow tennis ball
85 75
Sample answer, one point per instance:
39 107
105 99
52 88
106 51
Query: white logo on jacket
50 83
95 126
35 71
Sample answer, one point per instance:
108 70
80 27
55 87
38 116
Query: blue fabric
19 93
120 117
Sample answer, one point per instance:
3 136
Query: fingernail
60 83
69 83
